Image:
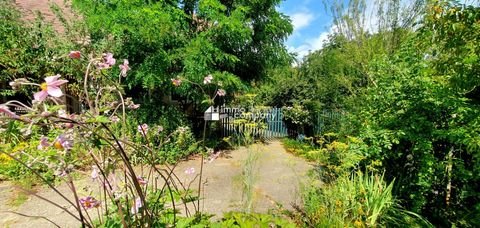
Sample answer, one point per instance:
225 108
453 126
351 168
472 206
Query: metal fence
326 120
265 123
268 123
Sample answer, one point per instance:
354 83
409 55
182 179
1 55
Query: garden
103 119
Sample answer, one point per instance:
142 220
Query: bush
361 200
181 145
237 219
22 141
334 157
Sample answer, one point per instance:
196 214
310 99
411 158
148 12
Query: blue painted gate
265 123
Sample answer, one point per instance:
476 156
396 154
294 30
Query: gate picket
274 125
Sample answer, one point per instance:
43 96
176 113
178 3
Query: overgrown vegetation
236 42
409 91
361 200
388 113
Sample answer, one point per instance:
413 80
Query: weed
249 178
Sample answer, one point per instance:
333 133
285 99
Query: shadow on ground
279 177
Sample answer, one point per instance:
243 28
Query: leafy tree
34 50
421 121
333 78
410 88
25 50
235 41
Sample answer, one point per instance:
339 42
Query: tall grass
358 200
249 178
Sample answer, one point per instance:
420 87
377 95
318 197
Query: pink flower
15 84
62 142
159 129
4 109
143 129
208 79
43 143
45 114
63 114
70 125
60 173
136 207
190 171
221 93
124 68
134 106
50 87
75 54
108 61
176 82
89 202
114 119
141 181
94 174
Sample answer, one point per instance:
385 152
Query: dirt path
279 176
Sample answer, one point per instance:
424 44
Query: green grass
359 200
297 148
20 196
18 199
249 178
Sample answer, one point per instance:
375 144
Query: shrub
180 145
359 200
236 219
334 157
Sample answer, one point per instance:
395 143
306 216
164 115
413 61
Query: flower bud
15 84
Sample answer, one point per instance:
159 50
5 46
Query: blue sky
311 24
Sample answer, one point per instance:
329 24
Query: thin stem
201 166
115 110
75 195
170 193
31 216
30 83
120 77
51 202
18 104
112 197
85 84
97 98
194 83
123 112
127 163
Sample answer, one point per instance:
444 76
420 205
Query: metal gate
265 123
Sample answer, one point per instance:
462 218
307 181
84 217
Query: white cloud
312 44
318 42
301 50
369 21
301 20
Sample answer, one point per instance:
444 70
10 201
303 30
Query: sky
312 23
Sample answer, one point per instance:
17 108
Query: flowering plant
297 114
135 197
